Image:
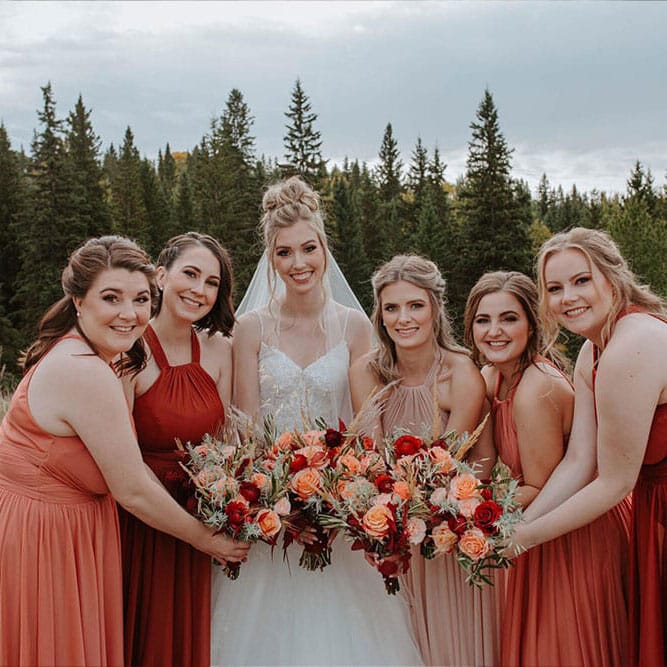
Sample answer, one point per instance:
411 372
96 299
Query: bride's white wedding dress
279 615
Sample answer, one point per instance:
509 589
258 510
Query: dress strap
154 344
194 347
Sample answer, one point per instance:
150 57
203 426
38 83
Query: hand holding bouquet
235 493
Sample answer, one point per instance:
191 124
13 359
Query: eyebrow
313 240
115 290
196 268
505 312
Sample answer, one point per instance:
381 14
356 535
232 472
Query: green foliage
303 144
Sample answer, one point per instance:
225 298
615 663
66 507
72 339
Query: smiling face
407 315
298 257
115 311
500 328
190 285
579 297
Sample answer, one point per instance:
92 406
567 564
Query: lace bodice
297 396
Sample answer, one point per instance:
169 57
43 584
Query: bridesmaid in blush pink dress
454 623
564 605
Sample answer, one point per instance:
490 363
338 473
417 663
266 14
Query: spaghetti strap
194 347
154 344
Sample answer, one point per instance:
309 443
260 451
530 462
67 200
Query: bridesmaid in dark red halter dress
180 394
619 434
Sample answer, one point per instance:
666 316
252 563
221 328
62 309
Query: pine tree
158 211
184 212
350 251
303 144
130 217
44 224
418 178
641 188
495 224
91 211
391 213
10 197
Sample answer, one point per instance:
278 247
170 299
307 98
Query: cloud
576 84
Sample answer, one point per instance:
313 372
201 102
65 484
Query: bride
292 352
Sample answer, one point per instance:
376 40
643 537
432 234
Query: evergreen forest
67 189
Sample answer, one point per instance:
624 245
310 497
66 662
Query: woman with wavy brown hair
563 606
67 450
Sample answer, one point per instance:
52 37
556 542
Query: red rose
333 438
486 493
299 462
353 521
407 445
249 491
457 524
367 443
388 568
440 443
236 513
384 483
486 514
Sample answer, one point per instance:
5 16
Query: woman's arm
91 403
467 406
629 382
223 356
359 335
540 401
245 356
577 468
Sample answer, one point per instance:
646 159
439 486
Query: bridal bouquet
467 517
310 458
235 492
379 514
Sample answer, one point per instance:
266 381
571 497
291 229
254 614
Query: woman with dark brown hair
180 394
67 450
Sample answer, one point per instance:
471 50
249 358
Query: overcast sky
579 87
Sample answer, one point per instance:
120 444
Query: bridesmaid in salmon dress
64 454
454 622
180 394
619 433
563 605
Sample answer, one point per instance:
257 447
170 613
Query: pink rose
201 450
382 499
313 437
439 496
317 457
442 458
467 506
283 507
416 530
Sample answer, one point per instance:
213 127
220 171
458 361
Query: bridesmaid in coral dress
619 433
454 623
564 605
64 454
180 394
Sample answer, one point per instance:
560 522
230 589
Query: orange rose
348 464
442 457
402 489
473 543
260 480
306 483
463 486
345 489
444 539
285 441
268 522
378 521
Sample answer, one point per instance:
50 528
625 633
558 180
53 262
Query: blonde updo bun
286 203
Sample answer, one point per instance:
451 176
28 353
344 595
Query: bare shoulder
638 338
217 344
542 381
361 366
462 366
357 322
248 330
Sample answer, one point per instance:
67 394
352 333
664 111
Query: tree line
67 189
